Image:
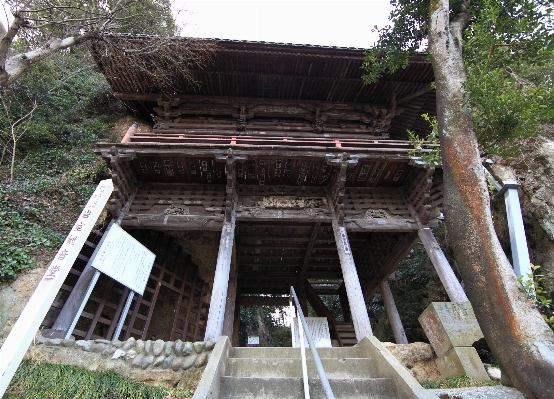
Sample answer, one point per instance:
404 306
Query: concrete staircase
277 373
366 370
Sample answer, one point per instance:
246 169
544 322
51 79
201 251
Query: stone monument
452 329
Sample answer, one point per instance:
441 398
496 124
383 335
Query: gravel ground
494 392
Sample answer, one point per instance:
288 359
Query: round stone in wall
158 347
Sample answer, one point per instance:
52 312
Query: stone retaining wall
157 362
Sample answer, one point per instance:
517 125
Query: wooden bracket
230 160
420 196
336 194
121 154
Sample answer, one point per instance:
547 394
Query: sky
328 23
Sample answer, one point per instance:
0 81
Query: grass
39 380
458 381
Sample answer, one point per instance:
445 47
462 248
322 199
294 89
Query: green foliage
508 54
20 239
273 319
398 41
35 380
506 44
531 285
458 381
426 149
55 169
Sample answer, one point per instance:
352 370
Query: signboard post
24 330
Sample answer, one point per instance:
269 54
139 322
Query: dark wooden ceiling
274 256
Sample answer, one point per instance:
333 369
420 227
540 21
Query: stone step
293 353
281 368
293 388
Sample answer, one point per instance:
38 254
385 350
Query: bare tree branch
52 27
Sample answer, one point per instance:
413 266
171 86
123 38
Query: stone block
450 324
462 360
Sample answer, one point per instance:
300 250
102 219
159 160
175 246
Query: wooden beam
172 222
249 101
345 306
321 310
304 268
415 94
371 151
263 301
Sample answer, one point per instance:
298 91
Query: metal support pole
123 315
520 252
392 313
303 356
321 372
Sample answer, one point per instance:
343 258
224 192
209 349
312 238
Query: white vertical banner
24 330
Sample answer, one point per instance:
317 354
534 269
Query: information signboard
253 340
319 328
124 259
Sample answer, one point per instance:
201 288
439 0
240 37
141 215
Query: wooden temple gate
304 170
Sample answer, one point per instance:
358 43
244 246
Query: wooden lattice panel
173 273
71 279
268 171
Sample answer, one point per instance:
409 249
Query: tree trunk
515 331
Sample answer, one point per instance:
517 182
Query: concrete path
495 392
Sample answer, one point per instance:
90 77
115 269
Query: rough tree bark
518 336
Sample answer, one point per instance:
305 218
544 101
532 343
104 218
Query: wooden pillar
236 321
358 309
446 274
392 313
214 326
228 320
343 298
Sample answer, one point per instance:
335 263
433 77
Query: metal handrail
317 360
